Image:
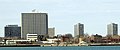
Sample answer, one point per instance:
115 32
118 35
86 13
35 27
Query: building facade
51 32
34 23
112 29
79 30
12 31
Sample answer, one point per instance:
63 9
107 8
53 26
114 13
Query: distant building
96 38
68 35
67 38
79 30
112 29
12 31
34 23
51 32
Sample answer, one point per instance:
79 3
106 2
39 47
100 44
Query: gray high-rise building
51 32
112 29
12 31
79 30
34 23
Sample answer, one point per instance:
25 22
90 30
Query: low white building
12 42
51 41
32 37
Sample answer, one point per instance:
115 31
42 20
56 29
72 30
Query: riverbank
52 45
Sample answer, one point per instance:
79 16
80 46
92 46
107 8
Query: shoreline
38 45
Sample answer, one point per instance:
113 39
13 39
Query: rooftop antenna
33 10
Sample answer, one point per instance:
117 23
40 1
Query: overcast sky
64 14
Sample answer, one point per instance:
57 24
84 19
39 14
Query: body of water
64 48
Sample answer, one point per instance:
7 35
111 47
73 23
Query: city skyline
94 14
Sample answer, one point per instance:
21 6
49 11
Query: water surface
64 48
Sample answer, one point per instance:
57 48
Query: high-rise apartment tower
34 23
112 29
79 30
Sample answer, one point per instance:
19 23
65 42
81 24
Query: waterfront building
12 31
112 29
79 30
51 32
34 23
14 42
32 37
51 41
